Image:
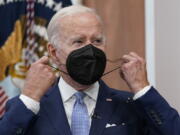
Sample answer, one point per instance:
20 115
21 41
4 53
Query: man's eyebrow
99 36
76 37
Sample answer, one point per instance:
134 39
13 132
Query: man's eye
98 41
78 41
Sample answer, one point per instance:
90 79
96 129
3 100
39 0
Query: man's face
79 30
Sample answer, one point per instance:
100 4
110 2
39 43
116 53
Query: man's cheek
61 57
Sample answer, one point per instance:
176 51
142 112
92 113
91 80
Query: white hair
53 26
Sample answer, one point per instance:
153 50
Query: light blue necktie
80 118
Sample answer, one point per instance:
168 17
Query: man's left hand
134 72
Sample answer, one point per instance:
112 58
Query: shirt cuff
142 92
30 103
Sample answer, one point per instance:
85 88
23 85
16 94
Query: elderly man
79 103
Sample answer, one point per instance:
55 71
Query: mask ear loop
58 69
114 61
111 61
111 71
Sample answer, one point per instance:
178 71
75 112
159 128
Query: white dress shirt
68 98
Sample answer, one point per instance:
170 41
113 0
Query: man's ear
52 53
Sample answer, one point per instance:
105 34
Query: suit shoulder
121 93
115 92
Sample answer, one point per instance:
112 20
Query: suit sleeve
159 116
16 119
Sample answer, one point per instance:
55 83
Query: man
79 103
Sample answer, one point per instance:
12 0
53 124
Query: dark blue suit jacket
149 115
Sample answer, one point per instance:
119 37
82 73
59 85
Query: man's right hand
39 78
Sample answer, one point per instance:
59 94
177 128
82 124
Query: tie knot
79 96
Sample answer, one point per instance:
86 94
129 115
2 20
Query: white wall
167 49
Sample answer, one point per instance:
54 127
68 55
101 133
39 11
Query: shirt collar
68 91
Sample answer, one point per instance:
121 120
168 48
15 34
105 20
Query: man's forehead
80 19
80 36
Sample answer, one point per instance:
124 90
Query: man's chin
74 84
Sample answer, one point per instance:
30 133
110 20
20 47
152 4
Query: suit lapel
54 108
104 109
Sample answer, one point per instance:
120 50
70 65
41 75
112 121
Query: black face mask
86 65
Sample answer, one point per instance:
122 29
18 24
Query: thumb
43 60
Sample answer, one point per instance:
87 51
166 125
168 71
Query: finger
43 60
133 54
129 58
127 65
48 68
54 68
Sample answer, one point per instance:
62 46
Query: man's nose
88 42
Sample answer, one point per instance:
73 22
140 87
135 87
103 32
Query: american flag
23 36
3 100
